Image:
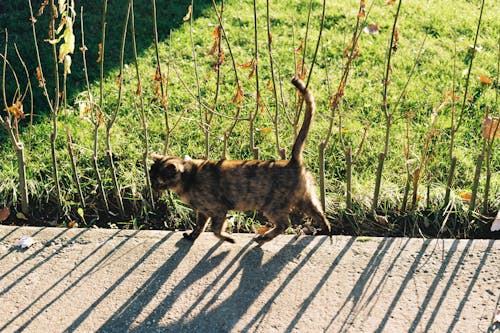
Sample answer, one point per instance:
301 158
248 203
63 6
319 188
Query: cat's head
165 173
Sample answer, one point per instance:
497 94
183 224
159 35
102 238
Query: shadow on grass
14 16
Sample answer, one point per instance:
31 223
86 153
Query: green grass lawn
434 48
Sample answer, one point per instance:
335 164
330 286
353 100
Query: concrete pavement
89 280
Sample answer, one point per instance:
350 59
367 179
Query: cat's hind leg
312 208
201 224
281 223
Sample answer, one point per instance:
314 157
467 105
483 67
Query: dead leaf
188 14
39 77
4 214
382 219
485 80
238 97
21 216
389 2
265 130
72 224
299 49
138 92
99 52
262 230
491 128
246 65
16 110
157 76
465 196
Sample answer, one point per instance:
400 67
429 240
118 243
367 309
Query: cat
213 188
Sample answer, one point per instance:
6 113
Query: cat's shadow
254 276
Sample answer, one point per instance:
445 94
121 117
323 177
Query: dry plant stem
490 143
113 117
102 53
73 167
467 80
164 102
13 133
273 80
55 110
26 72
96 120
209 115
205 128
424 158
305 41
348 161
255 150
39 62
336 102
318 41
449 181
475 183
388 116
142 111
228 133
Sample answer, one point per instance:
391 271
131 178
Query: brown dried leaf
238 97
485 80
99 52
138 92
299 49
246 65
254 68
491 128
39 77
465 196
157 74
16 110
389 2
262 230
4 214
188 14
44 4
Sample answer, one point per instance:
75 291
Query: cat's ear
172 168
156 157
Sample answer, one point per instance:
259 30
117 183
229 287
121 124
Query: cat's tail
298 146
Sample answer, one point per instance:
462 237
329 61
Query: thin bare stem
164 101
281 151
469 71
385 109
76 178
142 110
239 91
113 117
255 150
96 118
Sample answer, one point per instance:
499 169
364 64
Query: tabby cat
273 187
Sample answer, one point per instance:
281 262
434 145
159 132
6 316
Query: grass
442 65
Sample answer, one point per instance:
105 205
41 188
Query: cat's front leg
201 224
